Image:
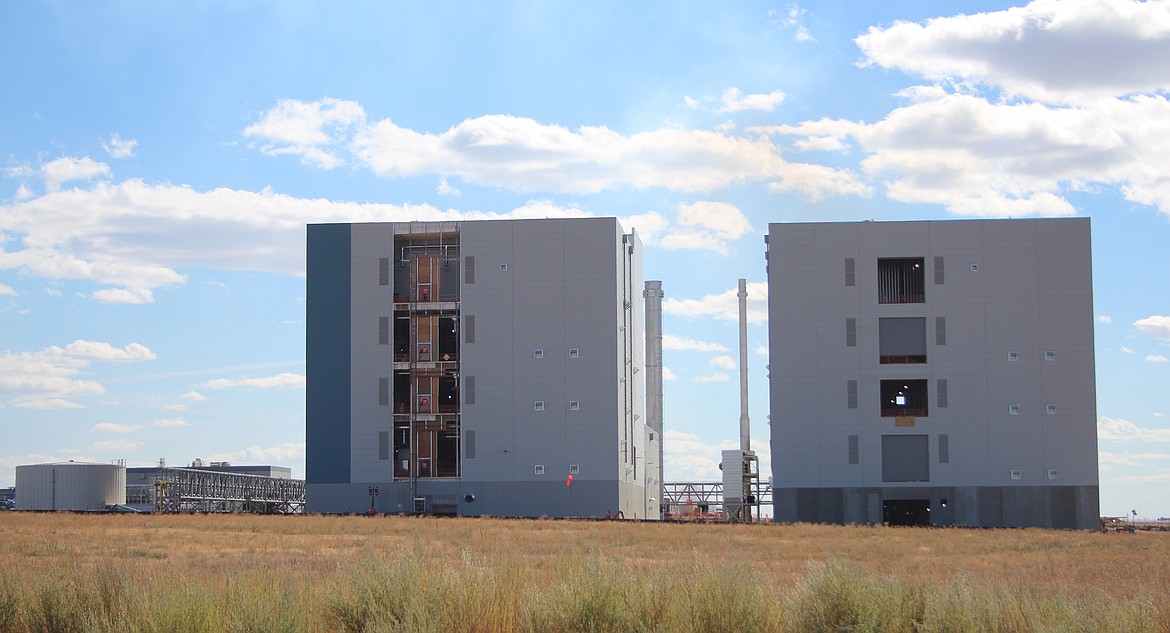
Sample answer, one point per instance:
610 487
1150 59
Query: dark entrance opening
914 512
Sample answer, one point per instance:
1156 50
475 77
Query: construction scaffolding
193 490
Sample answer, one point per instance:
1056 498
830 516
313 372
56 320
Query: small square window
1051 474
503 267
1013 356
1014 409
574 469
1049 355
538 405
1050 409
1017 475
538 353
574 405
974 268
574 353
539 470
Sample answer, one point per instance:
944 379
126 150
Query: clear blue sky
160 160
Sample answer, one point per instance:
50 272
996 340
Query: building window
944 448
574 353
503 267
1050 409
469 269
853 452
974 268
901 280
850 332
538 405
940 330
539 470
1049 355
1051 474
938 271
1017 474
902 340
384 391
383 445
1014 409
574 405
1013 356
941 393
383 330
904 398
851 394
383 271
850 272
469 328
538 353
574 469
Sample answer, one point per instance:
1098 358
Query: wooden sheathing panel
904 420
426 279
425 338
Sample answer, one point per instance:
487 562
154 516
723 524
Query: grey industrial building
933 373
473 367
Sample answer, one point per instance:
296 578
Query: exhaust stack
745 439
653 295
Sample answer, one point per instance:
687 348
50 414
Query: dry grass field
69 572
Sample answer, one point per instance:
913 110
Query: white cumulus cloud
1119 430
283 380
170 422
674 342
521 154
63 170
724 305
50 378
724 362
1154 326
117 147
283 453
735 101
706 225
113 445
113 427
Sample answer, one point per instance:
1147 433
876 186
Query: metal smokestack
745 440
653 295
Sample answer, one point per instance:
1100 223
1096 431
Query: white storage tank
70 486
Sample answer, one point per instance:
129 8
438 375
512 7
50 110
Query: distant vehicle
117 508
7 504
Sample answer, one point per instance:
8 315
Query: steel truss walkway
192 490
678 495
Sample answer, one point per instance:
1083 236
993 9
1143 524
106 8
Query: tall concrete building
933 373
477 368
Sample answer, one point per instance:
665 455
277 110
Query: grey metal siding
1013 285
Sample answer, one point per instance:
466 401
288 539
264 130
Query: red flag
569 481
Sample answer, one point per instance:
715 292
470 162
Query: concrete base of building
1056 507
585 499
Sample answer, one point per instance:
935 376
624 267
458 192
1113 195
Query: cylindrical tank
70 486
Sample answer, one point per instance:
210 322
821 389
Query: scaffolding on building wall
426 413
191 490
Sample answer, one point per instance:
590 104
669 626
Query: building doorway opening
913 512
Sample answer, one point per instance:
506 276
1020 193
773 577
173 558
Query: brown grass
211 572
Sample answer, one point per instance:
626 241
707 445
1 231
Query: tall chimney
745 440
653 295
